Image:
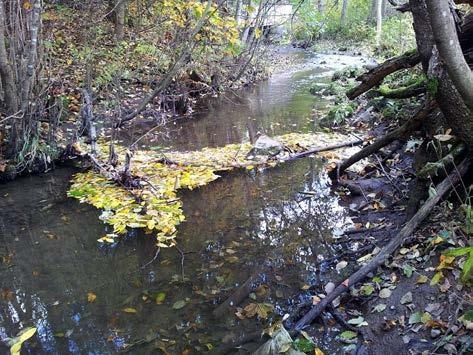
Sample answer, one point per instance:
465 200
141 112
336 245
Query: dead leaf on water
91 297
260 309
160 298
385 293
16 342
130 310
179 304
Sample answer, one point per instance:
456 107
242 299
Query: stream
87 298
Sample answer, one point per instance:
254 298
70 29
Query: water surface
277 221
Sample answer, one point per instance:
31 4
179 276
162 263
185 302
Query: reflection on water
277 220
279 105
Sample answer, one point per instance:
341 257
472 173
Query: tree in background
20 67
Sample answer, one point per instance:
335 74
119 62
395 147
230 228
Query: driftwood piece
390 248
322 149
376 75
400 133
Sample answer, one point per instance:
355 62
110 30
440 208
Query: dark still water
86 298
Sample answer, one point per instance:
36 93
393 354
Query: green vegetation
315 25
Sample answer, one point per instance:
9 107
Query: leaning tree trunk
454 108
446 38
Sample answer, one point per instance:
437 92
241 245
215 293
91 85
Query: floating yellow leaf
160 298
422 279
24 335
91 297
130 310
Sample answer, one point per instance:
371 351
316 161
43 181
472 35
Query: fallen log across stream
441 190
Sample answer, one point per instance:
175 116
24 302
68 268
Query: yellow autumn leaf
317 351
24 335
422 279
156 206
130 310
446 262
27 5
91 297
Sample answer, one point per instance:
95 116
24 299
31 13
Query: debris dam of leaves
155 206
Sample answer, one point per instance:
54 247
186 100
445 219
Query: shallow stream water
278 222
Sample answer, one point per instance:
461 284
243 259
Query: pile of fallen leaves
155 206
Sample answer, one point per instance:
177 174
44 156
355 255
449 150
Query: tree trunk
246 31
6 72
446 38
120 19
29 78
321 7
343 15
238 11
456 113
379 21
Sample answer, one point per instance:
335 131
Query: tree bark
6 71
238 12
446 38
379 21
29 77
454 109
120 20
343 15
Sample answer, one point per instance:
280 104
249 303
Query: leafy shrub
339 113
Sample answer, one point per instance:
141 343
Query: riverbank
419 300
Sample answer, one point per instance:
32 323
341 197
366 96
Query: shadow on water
279 221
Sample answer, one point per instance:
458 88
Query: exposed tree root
390 248
400 133
376 75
